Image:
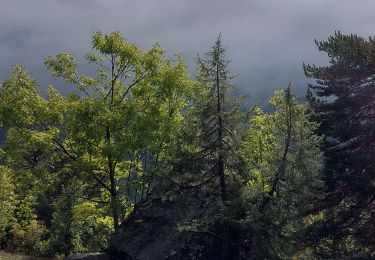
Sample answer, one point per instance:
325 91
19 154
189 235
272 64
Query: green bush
28 239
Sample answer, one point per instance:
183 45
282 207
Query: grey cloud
83 5
15 39
268 40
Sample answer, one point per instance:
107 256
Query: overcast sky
267 40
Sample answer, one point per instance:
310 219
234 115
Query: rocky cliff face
177 224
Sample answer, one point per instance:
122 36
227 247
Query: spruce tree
207 157
218 116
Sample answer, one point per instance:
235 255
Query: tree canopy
344 105
139 147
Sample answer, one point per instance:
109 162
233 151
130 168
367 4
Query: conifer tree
218 117
283 177
206 157
344 103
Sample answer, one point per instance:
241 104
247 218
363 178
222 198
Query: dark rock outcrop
178 224
92 256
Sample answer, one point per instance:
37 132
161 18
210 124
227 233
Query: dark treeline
297 182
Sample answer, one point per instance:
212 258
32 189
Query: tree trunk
220 137
281 169
114 203
112 180
111 166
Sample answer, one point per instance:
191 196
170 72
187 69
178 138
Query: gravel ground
11 256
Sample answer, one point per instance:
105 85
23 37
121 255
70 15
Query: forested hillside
143 161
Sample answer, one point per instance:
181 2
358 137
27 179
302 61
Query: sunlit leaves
63 65
19 99
285 138
8 202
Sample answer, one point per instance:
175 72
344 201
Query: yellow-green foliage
29 238
77 157
281 151
7 205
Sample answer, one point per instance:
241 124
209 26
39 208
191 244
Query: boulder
91 256
177 224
